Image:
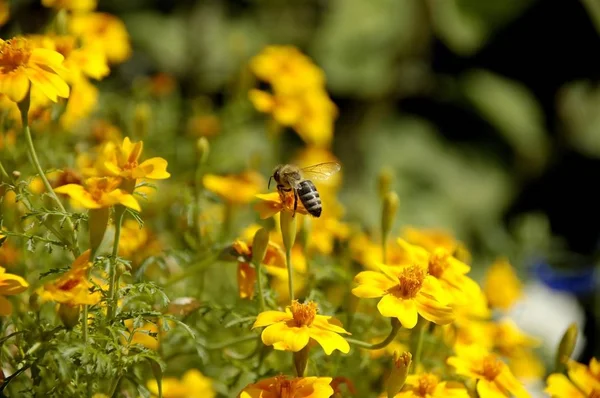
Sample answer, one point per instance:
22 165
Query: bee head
275 176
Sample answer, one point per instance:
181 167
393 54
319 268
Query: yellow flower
103 33
510 341
136 243
527 365
83 100
193 384
583 381
9 286
294 329
123 161
430 238
429 385
272 203
448 270
99 192
142 335
71 5
405 294
23 66
235 188
283 387
494 378
246 272
73 287
501 285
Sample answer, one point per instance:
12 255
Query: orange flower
123 161
246 272
272 203
282 387
23 66
9 285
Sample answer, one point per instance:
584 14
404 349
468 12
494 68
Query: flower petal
394 307
329 323
507 381
434 311
11 284
487 389
79 194
5 306
283 337
51 84
270 317
329 340
14 85
560 386
155 168
122 197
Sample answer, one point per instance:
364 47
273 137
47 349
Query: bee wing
321 171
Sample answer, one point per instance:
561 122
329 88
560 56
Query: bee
291 178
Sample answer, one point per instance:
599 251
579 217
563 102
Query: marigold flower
193 384
142 335
293 329
583 381
102 32
246 272
429 385
235 188
23 66
405 293
501 285
283 387
494 378
73 287
71 5
10 285
123 161
272 203
99 192
448 270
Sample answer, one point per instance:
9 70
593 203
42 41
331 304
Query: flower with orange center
429 385
494 378
272 203
274 256
10 285
447 269
501 285
235 188
405 294
293 329
123 161
23 66
283 387
99 192
73 287
583 381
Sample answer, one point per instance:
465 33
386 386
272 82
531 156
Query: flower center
491 367
304 314
595 393
410 282
286 389
427 384
130 165
438 262
13 54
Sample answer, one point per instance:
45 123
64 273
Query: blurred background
486 113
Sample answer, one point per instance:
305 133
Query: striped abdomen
309 196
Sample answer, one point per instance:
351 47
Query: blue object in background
578 280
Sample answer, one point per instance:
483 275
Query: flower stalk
259 249
384 343
419 349
112 274
288 233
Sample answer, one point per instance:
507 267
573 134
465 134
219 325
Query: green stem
419 349
113 280
259 284
5 176
395 328
24 109
84 324
290 270
227 343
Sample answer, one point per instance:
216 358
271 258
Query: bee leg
295 203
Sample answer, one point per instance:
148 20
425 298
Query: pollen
286 389
438 262
402 360
13 54
491 367
304 314
410 282
427 384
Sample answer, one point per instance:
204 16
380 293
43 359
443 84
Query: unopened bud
259 246
288 229
567 345
121 269
141 120
16 174
385 182
69 315
388 214
203 148
400 366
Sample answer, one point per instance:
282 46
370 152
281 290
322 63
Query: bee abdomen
309 196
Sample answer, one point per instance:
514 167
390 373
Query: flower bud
16 174
69 315
259 246
288 229
400 366
203 148
385 182
567 345
141 120
388 215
